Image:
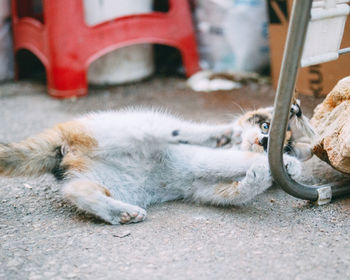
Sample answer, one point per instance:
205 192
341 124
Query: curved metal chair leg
285 90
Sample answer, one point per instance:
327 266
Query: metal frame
291 60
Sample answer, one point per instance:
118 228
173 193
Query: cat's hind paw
133 214
134 217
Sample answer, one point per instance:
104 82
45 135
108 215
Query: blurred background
231 37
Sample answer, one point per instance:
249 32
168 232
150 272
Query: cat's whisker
239 107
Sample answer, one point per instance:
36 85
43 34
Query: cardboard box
317 80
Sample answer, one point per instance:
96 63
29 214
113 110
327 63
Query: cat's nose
262 142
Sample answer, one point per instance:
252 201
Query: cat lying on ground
114 164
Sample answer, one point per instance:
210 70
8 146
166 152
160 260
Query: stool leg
66 72
186 43
64 82
190 57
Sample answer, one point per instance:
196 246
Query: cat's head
252 132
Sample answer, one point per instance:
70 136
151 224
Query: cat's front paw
293 166
259 173
224 138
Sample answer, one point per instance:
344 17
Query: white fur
141 160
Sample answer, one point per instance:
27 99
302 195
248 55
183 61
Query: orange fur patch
227 190
288 137
262 111
76 161
75 135
86 188
79 145
106 192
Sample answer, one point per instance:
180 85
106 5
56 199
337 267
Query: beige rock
331 120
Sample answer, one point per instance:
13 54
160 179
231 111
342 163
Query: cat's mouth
252 146
264 142
260 145
257 146
257 143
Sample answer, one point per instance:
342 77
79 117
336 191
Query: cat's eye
265 127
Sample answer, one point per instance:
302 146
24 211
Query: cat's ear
270 109
295 109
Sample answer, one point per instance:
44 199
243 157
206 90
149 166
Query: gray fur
140 160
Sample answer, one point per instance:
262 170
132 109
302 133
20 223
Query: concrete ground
274 237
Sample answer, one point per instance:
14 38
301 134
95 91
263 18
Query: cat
114 164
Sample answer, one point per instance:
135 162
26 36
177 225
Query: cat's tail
32 157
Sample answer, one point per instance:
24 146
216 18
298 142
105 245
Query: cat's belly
140 182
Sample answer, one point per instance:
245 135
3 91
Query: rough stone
331 121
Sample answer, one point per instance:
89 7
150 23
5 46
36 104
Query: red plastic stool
66 45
